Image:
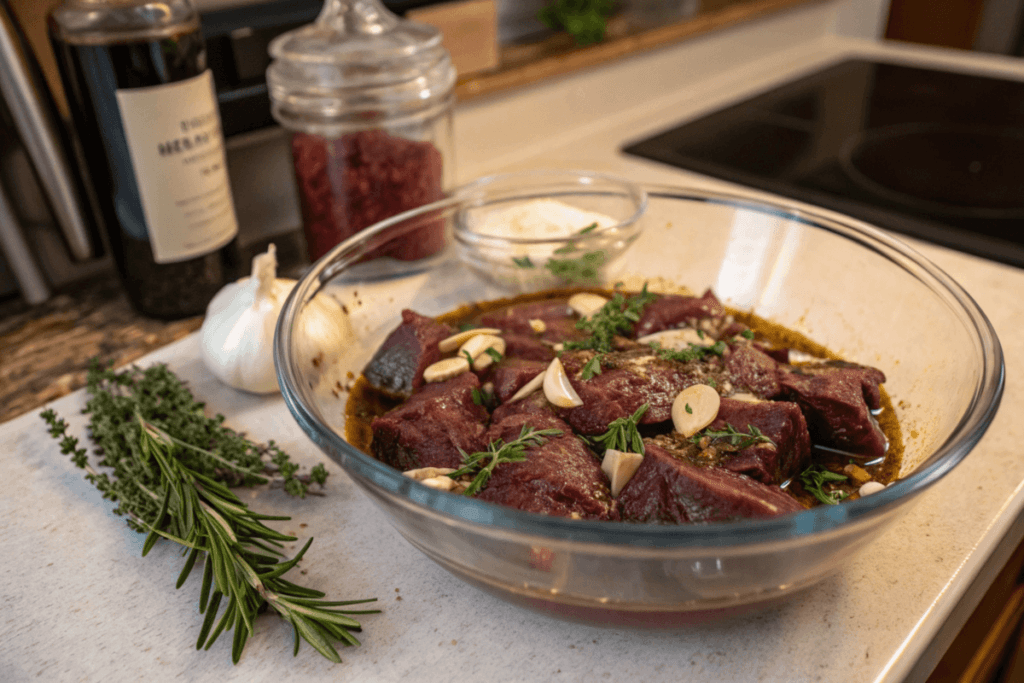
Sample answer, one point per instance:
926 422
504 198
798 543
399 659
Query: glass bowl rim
572 178
484 517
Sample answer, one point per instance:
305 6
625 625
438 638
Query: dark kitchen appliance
936 155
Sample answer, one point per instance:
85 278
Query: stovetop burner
932 154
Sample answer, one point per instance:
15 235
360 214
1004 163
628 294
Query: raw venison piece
780 421
559 321
668 490
637 377
672 310
559 477
512 374
397 366
531 405
752 370
837 399
429 428
527 347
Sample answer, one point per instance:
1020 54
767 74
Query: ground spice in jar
349 183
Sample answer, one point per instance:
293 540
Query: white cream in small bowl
542 229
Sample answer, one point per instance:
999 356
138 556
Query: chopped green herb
585 268
747 334
593 367
523 262
468 357
482 463
494 354
616 317
622 434
736 438
815 477
689 410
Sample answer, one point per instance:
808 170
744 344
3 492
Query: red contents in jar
349 183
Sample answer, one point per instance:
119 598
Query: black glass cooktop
932 154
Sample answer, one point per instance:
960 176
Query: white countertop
78 603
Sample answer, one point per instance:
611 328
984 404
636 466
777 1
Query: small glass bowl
505 228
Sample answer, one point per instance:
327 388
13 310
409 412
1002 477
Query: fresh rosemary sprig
622 434
170 486
482 463
814 479
616 317
734 437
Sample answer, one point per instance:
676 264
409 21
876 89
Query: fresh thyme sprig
482 463
616 317
622 434
173 487
734 437
814 479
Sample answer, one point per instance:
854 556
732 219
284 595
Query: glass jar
368 99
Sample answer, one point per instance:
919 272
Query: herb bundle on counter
171 469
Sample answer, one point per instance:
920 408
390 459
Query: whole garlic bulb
237 335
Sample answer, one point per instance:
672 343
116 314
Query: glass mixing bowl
843 283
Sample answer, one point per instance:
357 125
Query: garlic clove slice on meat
678 339
694 409
445 369
478 348
528 388
453 342
620 466
557 388
586 304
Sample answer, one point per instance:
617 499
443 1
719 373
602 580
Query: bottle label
177 150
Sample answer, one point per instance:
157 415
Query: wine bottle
145 116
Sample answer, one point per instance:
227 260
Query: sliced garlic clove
677 340
538 325
620 467
694 409
477 347
870 487
445 369
453 342
746 398
528 388
557 388
586 304
439 483
422 473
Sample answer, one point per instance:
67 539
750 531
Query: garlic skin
237 335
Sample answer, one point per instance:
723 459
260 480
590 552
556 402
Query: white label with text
177 150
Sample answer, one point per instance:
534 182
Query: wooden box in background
470 29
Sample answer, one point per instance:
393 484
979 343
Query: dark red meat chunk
837 399
528 347
669 490
429 429
560 477
531 405
780 421
753 371
559 321
397 366
635 378
512 374
671 310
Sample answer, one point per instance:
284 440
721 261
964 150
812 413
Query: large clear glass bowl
841 282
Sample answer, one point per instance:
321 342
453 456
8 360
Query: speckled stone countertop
45 350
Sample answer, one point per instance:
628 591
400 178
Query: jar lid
357 57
